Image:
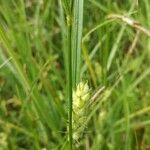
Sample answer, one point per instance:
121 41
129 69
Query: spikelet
80 98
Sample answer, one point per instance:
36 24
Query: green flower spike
80 98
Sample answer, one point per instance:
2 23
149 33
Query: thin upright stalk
69 23
68 11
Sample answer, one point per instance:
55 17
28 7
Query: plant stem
69 23
68 12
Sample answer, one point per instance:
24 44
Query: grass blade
76 39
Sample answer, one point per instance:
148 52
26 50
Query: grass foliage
48 47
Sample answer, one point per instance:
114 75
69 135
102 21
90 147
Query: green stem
68 10
69 23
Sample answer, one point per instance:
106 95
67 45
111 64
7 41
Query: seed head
80 98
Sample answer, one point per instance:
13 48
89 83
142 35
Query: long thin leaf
76 39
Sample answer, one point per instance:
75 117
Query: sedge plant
74 21
42 73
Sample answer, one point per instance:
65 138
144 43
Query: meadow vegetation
74 74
